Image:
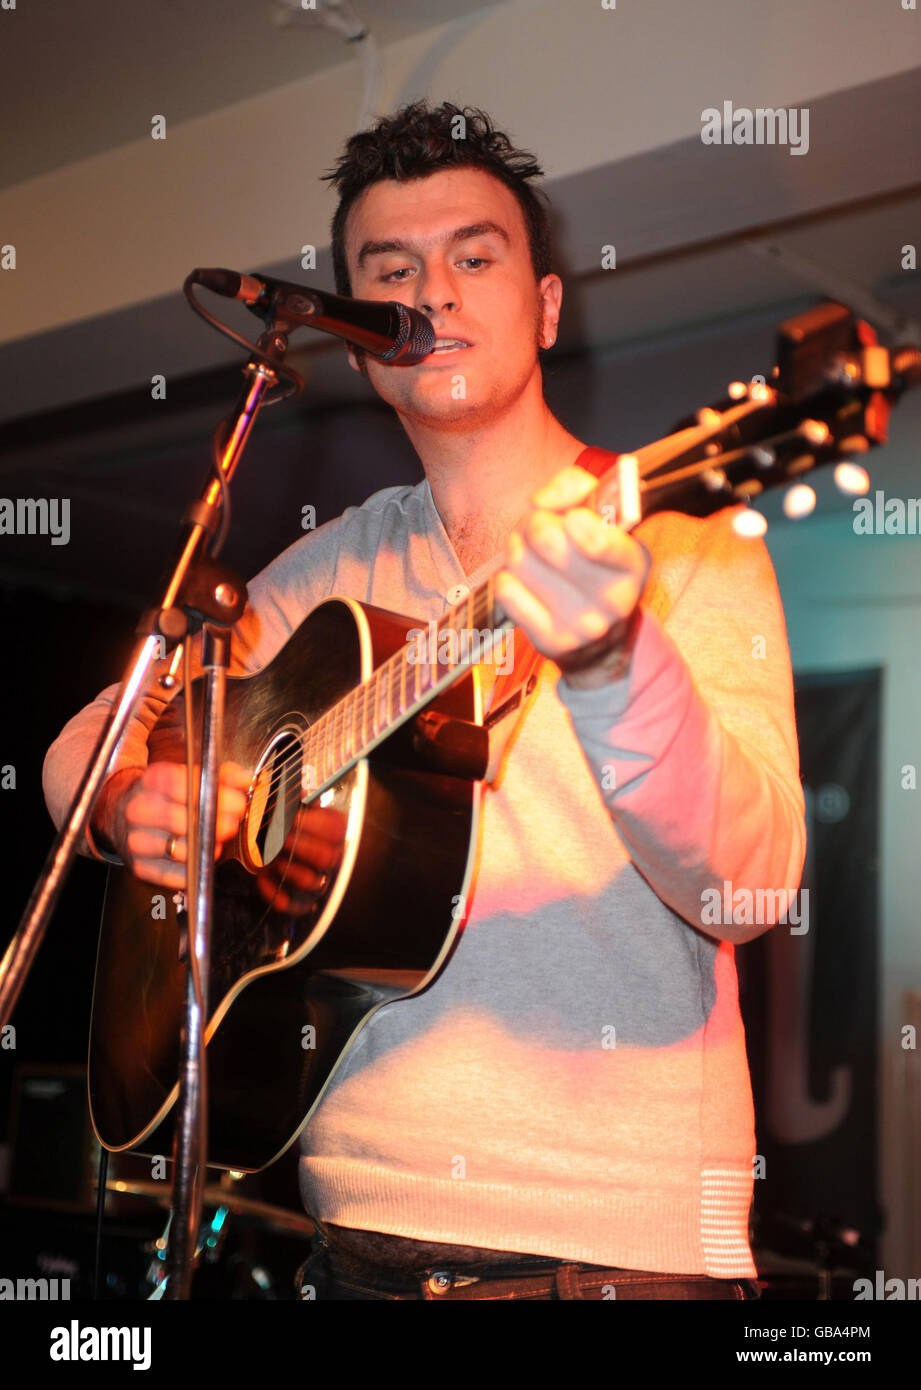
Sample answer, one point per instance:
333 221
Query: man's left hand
573 580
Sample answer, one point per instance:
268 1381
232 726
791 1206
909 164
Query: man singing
567 1108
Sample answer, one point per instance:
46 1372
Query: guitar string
358 702
334 729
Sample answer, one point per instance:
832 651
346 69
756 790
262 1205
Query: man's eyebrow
381 248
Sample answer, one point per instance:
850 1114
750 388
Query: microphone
387 330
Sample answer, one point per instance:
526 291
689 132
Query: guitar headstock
827 401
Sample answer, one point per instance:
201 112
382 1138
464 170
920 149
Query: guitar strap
512 690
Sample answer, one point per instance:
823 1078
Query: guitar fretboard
402 686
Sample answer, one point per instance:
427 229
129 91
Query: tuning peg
801 464
737 389
749 524
815 431
799 501
852 479
714 480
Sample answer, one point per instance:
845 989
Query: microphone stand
199 588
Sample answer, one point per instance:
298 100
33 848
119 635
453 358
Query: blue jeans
328 1274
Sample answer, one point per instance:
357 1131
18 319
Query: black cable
296 381
296 385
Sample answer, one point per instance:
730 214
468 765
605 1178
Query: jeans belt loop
567 1282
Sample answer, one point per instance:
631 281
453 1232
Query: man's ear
551 302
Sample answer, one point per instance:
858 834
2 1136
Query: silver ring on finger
170 851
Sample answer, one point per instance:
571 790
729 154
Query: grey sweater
575 1082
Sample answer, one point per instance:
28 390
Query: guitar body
287 993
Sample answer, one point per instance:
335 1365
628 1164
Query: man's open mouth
450 345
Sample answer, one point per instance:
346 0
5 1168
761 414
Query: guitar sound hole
275 798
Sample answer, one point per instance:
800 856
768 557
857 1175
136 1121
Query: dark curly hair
419 140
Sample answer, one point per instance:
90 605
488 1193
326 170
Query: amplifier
55 1154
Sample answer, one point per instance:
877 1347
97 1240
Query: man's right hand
142 814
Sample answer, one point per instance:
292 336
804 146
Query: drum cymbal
215 1195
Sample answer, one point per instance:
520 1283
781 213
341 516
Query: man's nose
437 293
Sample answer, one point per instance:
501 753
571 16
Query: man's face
454 246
